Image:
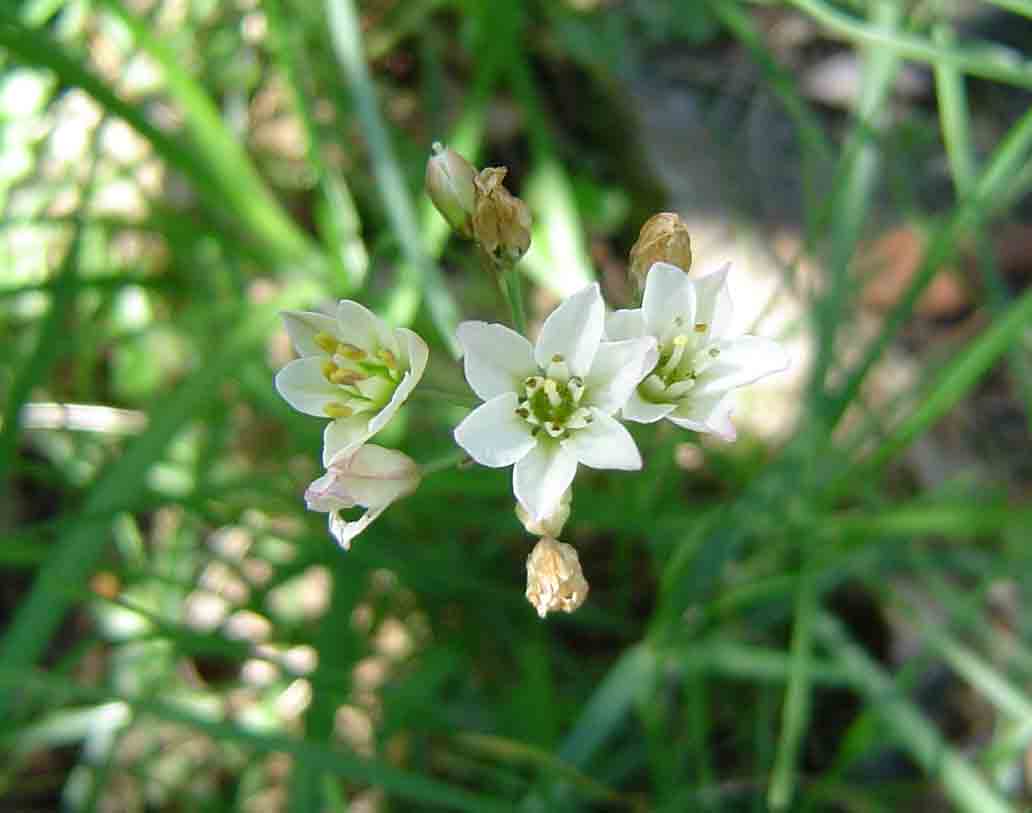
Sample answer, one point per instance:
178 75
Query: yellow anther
345 377
349 351
387 357
326 342
701 327
680 340
329 369
334 410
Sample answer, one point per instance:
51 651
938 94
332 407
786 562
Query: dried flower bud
554 578
550 526
449 183
501 221
663 238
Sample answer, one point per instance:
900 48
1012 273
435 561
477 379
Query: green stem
454 398
443 463
514 292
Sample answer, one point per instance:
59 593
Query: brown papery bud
501 221
664 238
449 184
554 578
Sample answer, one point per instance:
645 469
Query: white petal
343 437
302 326
493 434
370 476
618 368
413 351
324 494
604 444
573 331
711 415
344 531
303 386
541 477
669 295
359 326
741 361
639 410
496 359
713 302
625 324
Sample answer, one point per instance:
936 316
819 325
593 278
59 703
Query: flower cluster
549 406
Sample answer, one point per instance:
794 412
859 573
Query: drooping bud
663 238
449 183
554 578
550 526
501 221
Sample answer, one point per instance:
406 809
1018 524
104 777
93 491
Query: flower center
366 380
552 403
681 361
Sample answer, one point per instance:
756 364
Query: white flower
353 369
554 578
699 364
372 477
550 407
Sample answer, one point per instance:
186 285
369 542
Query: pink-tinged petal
713 303
618 368
304 326
604 444
303 386
669 297
325 494
493 434
343 437
495 358
359 326
541 477
639 410
711 415
625 324
344 531
572 331
740 362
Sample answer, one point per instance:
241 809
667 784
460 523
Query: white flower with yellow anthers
550 406
354 369
699 364
372 478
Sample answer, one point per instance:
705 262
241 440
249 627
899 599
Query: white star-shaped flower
698 364
353 368
550 406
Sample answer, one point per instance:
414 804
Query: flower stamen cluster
552 403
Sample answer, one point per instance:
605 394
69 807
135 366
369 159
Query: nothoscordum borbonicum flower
550 406
354 369
698 363
372 478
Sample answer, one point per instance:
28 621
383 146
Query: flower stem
514 292
443 463
455 398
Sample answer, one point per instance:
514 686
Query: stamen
531 385
350 351
701 327
329 369
334 410
680 343
558 369
579 419
388 358
325 342
346 377
554 429
679 389
575 386
714 352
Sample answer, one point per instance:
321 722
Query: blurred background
831 614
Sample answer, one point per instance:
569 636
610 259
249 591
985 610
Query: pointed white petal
359 326
604 444
711 415
541 477
493 434
302 327
573 331
344 531
625 324
618 368
413 351
495 358
303 386
639 410
713 302
741 361
343 437
669 295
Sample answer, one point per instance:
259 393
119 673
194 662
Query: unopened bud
501 221
663 238
449 183
554 578
550 526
